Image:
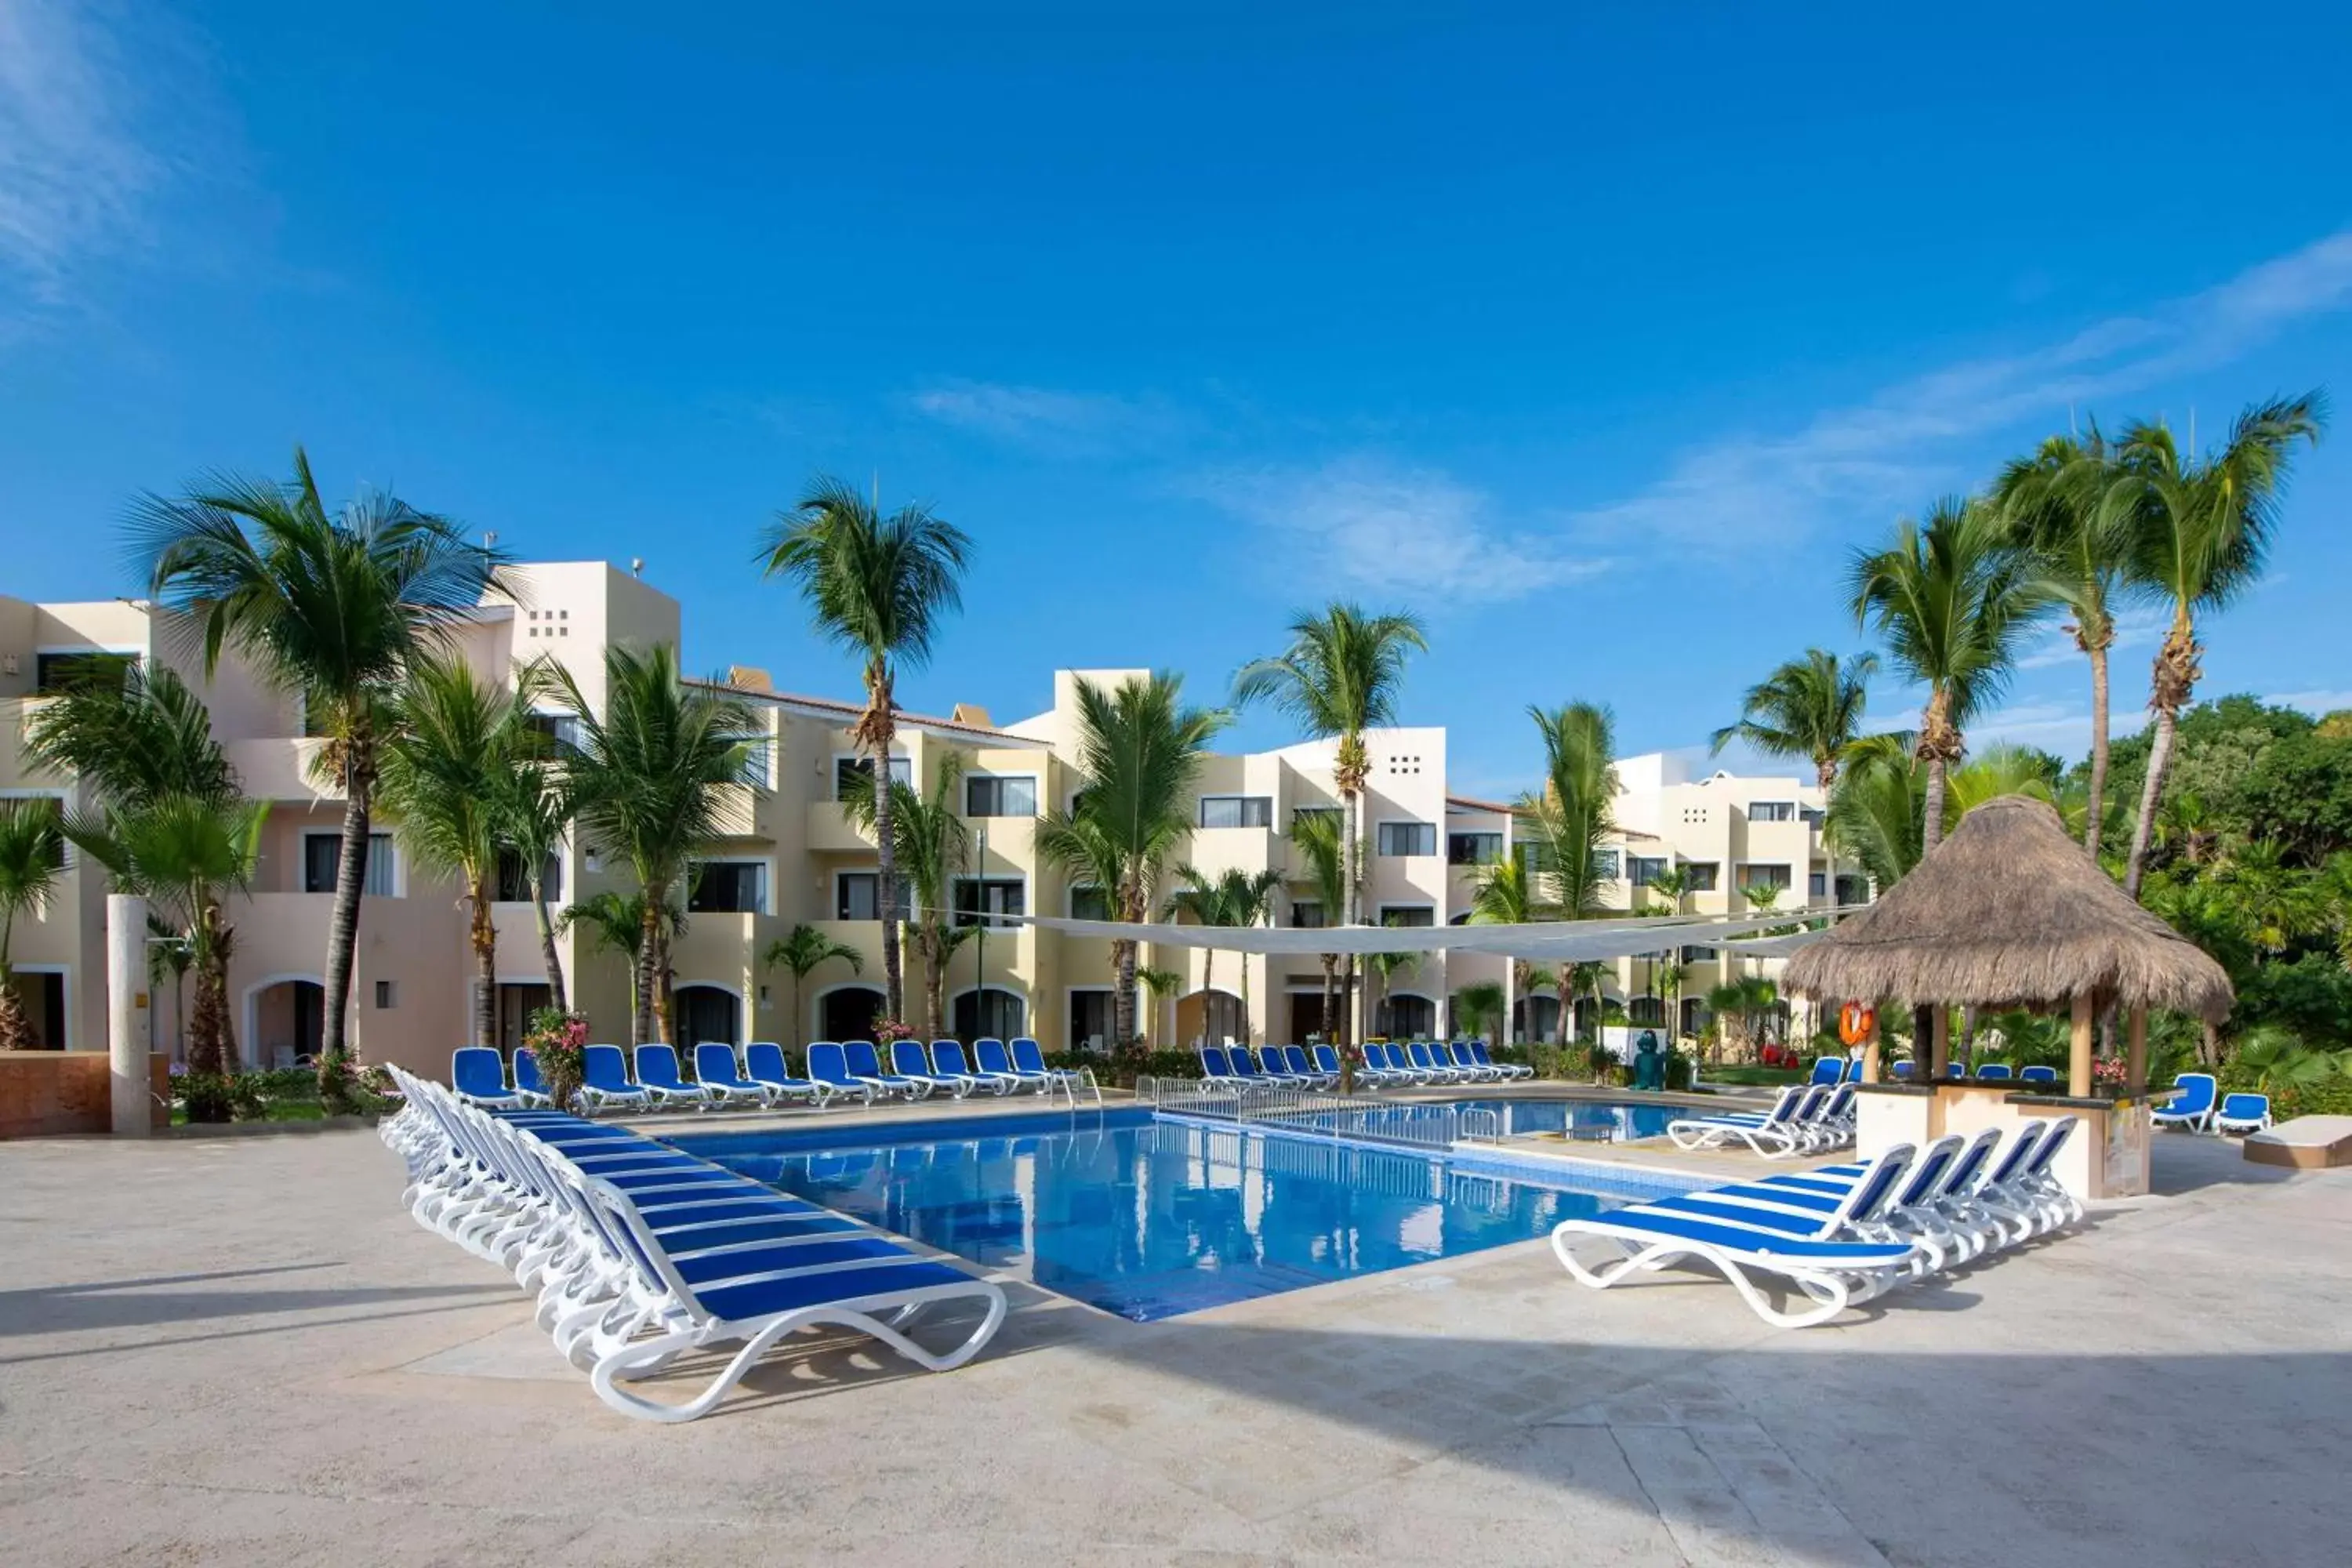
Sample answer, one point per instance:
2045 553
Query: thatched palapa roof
2010 912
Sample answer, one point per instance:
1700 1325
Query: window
1090 1019
514 890
1771 811
1473 848
1090 904
1647 870
1764 875
729 887
1703 874
322 859
1605 865
848 773
562 730
1853 889
856 896
56 672
1236 811
759 761
1307 914
1698 955
985 796
979 896
386 996
1410 916
1812 816
1817 885
1408 839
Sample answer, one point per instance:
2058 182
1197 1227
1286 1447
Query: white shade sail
1555 942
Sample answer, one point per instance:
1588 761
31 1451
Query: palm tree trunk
887 880
794 1034
1351 872
486 965
548 956
2159 762
1123 1000
664 975
935 984
641 1012
1931 829
343 924
2097 807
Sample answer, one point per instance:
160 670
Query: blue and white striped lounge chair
1418 1054
1272 1067
1245 1064
1773 1132
1989 1071
1904 1071
865 1066
1508 1069
908 1060
1216 1067
1853 1070
1396 1068
1029 1058
527 1079
828 1064
2242 1113
1327 1063
1956 1070
2037 1073
605 1079
764 1063
1828 1069
988 1054
716 1069
1830 1274
2191 1105
476 1073
950 1057
657 1074
1466 1062
1294 1058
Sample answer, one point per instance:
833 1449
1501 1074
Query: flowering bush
2108 1071
888 1030
559 1042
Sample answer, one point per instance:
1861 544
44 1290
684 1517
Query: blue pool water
1151 1218
1582 1120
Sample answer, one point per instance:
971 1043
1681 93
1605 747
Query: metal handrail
1306 1112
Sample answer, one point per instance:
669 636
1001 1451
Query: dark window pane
976 896
726 886
986 796
1307 914
1236 811
849 774
1090 904
1474 849
1408 839
1407 915
1702 874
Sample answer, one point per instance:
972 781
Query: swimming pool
1153 1218
1585 1120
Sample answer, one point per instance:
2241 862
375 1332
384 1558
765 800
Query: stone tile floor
241 1351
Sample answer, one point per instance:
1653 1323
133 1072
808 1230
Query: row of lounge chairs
1844 1234
846 1070
1806 1118
640 1253
1833 1069
1384 1066
2197 1105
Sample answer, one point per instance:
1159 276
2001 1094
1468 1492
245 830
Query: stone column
126 1014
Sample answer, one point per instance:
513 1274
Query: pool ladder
1070 1086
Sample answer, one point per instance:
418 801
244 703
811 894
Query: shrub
559 1042
206 1095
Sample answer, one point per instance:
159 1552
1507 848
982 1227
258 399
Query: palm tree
332 606
1878 806
444 769
1140 749
1341 675
1808 708
2199 530
1505 895
1673 885
1668 979
1480 1001
649 781
1953 597
531 814
1571 816
1250 899
1379 968
1316 836
804 953
932 849
878 587
2056 501
616 922
138 736
1233 897
32 852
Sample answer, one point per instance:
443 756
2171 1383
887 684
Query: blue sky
1598 342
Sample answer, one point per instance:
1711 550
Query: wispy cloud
1415 532
1044 419
1898 449
2134 628
75 175
2316 702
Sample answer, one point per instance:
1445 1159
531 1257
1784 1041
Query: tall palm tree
615 922
933 847
136 737
1879 803
2198 529
531 813
649 779
1316 836
1140 749
1380 969
332 606
803 953
1953 598
32 852
1481 1001
878 587
1342 674
444 770
1233 897
1505 895
1573 812
2055 501
1250 898
1811 709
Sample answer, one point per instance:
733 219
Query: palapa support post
1870 1063
2078 1070
2135 1064
1940 1054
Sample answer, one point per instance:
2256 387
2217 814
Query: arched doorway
1211 1016
1408 1015
1306 1016
285 1020
705 1012
993 1013
1646 1013
1535 1017
847 1012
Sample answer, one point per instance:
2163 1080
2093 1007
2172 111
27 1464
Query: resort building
793 855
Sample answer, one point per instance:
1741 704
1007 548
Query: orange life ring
1855 1022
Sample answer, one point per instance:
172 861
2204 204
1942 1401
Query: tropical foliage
1568 820
801 954
32 851
933 849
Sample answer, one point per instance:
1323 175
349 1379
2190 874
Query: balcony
829 829
278 769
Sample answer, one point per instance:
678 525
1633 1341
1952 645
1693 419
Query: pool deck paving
242 1350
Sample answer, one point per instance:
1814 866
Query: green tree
1316 836
616 922
1953 598
2055 504
1342 674
532 812
932 849
1379 970
649 780
803 953
32 852
1567 821
445 768
2200 528
332 606
880 587
1231 899
1811 709
1482 1001
1505 895
1877 810
1139 749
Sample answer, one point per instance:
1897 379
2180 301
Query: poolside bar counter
2106 1158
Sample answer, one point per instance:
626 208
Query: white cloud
2060 727
2134 628
2315 703
1898 450
75 177
1057 422
1415 532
